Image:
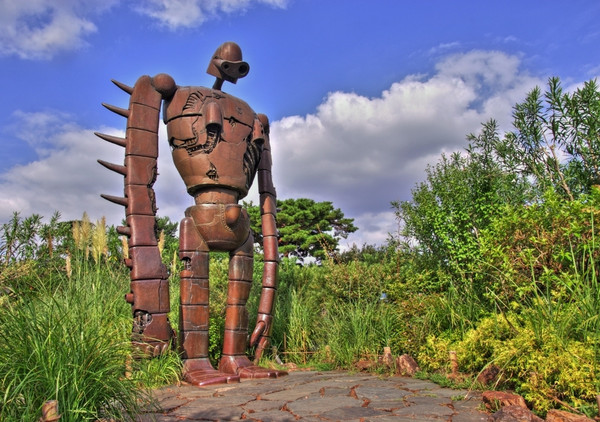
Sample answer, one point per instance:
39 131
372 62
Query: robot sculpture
219 144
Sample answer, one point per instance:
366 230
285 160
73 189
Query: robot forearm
268 210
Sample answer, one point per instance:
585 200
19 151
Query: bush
69 345
546 240
357 329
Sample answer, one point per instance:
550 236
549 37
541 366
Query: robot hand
261 334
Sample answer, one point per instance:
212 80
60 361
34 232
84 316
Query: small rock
406 365
364 365
489 375
387 359
496 399
514 413
556 415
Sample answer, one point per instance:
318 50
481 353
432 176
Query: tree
557 138
462 194
555 145
306 228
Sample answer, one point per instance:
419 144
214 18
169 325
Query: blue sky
362 96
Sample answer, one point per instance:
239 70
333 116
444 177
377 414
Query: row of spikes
122 142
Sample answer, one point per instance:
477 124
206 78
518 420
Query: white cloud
187 13
38 29
374 229
444 47
67 178
360 153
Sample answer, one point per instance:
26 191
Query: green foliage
301 331
502 240
68 344
306 228
356 281
64 326
166 233
497 260
356 329
459 199
545 370
546 335
458 309
157 372
298 303
548 240
556 138
19 238
369 254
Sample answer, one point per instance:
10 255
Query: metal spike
124 87
120 111
116 199
122 142
124 230
117 168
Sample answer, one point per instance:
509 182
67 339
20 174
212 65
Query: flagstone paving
318 396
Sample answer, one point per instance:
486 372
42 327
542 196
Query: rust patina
219 146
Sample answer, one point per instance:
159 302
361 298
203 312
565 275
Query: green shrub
546 239
546 369
70 345
357 329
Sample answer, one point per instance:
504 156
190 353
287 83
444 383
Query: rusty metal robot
219 145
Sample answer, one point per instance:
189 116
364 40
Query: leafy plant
306 228
356 329
69 344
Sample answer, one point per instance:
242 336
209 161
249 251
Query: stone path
318 396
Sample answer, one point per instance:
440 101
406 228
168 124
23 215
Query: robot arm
149 295
268 210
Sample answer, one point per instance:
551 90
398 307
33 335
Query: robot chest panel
195 112
197 135
210 133
224 166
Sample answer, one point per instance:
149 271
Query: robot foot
242 366
200 372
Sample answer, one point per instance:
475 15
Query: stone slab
317 396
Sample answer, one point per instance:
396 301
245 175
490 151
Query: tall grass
300 336
568 305
459 308
354 330
585 291
69 344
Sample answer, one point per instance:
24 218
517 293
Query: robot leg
194 310
234 359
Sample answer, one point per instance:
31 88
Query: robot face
227 63
232 70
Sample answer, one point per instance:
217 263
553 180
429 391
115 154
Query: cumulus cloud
187 13
38 29
66 177
360 153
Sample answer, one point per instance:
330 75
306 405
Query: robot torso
216 139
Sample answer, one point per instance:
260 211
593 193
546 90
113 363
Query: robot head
227 63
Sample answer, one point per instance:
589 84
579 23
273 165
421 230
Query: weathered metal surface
219 146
